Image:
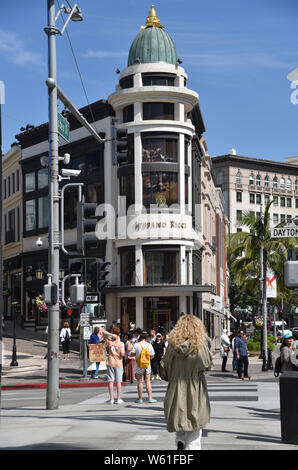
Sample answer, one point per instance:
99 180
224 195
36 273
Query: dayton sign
284 232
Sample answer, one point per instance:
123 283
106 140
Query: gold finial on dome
152 20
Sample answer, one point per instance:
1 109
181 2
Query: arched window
289 184
266 181
258 180
239 177
275 182
282 183
251 179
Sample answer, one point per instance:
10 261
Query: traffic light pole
52 401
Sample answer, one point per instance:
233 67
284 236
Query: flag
271 288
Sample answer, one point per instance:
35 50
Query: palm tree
251 253
244 250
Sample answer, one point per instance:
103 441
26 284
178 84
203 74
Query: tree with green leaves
244 252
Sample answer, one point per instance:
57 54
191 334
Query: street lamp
74 13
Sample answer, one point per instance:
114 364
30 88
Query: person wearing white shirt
65 336
142 374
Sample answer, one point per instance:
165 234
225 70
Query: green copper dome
152 44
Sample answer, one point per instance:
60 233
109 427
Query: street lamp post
54 233
263 266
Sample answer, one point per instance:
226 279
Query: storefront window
160 313
159 149
127 257
128 312
160 188
158 111
160 267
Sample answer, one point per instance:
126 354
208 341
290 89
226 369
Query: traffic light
98 273
86 223
119 146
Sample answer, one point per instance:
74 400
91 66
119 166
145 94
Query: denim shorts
114 374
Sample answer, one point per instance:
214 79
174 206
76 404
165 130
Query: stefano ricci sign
160 226
154 226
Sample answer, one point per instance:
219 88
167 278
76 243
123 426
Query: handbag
226 349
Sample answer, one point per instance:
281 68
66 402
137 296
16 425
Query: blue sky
237 55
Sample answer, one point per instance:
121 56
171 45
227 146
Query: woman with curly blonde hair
186 405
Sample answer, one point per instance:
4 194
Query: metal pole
282 316
54 235
263 260
1 258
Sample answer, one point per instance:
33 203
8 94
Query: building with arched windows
247 183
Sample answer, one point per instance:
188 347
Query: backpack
66 335
143 361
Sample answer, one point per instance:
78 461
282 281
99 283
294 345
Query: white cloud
15 51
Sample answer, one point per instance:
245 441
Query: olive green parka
186 404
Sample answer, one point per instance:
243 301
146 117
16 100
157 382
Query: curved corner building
151 252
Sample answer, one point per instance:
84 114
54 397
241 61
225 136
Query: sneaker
152 378
111 402
94 376
152 401
139 401
157 377
118 402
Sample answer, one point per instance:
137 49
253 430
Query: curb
61 385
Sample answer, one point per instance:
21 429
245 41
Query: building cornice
252 163
167 94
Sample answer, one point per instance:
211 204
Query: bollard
288 388
270 365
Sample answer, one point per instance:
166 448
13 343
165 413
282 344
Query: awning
217 313
160 288
230 315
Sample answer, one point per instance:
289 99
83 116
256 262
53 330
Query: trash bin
288 388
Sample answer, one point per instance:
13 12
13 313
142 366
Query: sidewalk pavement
31 371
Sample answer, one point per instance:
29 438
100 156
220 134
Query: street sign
63 127
284 232
271 288
86 333
84 319
92 298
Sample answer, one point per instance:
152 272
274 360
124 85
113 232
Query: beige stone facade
12 229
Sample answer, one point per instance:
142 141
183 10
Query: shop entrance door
161 320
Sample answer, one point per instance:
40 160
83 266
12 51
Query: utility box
291 273
288 388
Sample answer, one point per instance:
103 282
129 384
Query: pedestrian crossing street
220 391
237 391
